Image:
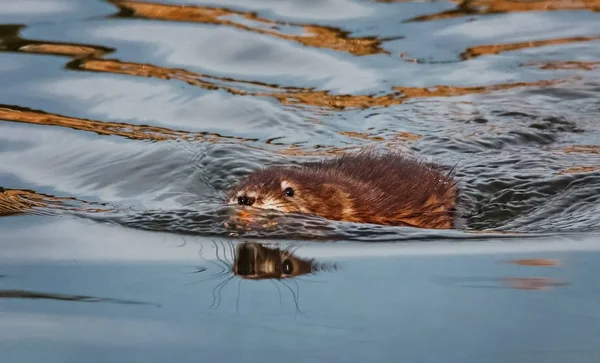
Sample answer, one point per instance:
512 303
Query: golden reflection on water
579 170
532 283
88 58
295 95
294 150
136 132
70 50
585 149
480 50
449 91
487 7
535 262
18 201
568 65
143 132
315 35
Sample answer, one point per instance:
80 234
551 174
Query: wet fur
388 189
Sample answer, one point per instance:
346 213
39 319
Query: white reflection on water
238 53
171 104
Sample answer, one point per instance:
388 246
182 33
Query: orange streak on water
17 201
480 50
315 35
488 7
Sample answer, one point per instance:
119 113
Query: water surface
123 123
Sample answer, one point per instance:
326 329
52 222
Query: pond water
124 123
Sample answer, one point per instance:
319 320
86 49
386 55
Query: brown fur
388 189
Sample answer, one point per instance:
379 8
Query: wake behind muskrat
365 187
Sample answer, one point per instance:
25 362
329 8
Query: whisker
452 170
230 250
217 254
237 301
183 244
307 280
295 299
224 258
222 267
278 290
214 277
217 292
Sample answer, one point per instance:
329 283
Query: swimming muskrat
364 187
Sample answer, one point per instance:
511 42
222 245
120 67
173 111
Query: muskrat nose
244 200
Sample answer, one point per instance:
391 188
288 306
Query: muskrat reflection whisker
224 256
217 292
223 266
200 252
237 300
218 257
291 249
279 291
297 290
296 302
231 251
300 278
223 269
213 277
226 252
183 244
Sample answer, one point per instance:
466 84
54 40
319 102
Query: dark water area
123 124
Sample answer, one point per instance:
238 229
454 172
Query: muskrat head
270 190
290 190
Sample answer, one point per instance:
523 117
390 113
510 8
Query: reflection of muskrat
254 261
390 189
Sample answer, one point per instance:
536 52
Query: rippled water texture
125 122
147 112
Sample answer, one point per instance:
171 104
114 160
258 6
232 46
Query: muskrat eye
289 192
288 267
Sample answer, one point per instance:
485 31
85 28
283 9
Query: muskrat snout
244 200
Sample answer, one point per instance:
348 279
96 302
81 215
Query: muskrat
365 187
